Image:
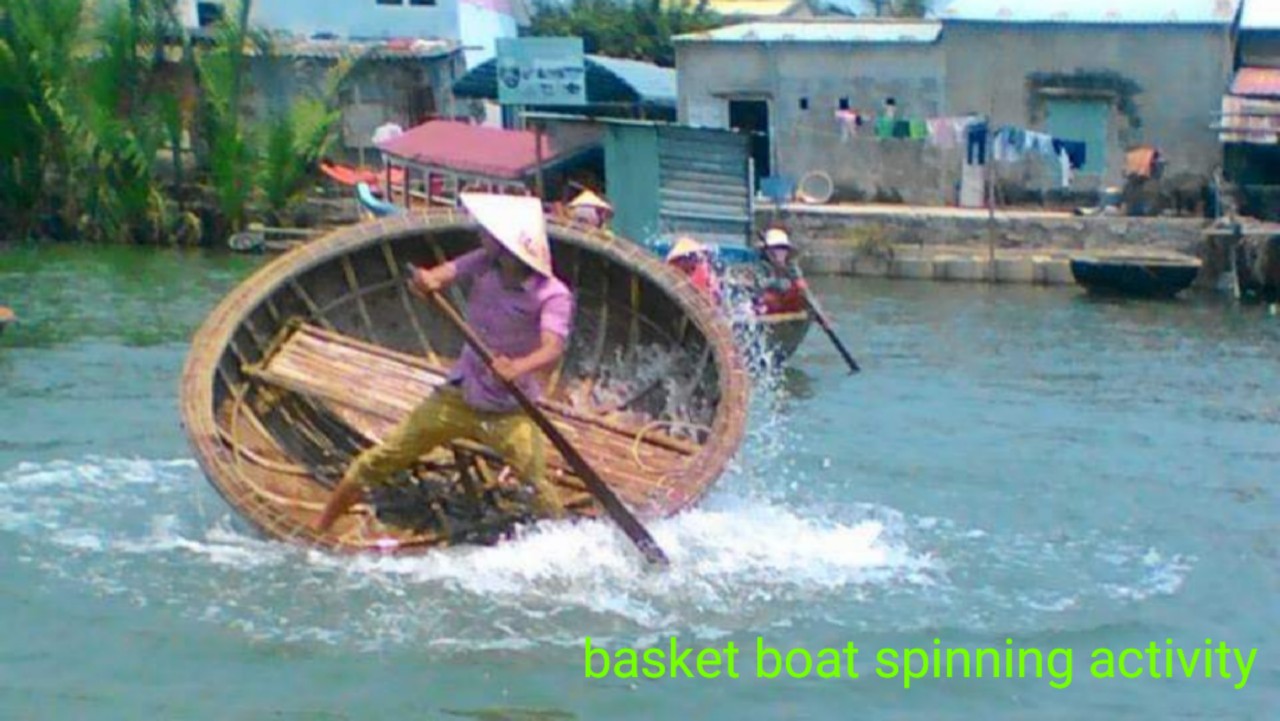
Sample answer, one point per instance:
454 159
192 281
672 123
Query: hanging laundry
1039 143
919 129
942 132
850 122
1075 151
1006 144
902 129
1141 161
1064 164
976 151
884 127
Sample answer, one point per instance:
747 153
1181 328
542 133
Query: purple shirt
511 323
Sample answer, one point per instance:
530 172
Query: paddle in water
638 534
812 304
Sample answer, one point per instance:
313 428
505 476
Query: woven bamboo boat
322 351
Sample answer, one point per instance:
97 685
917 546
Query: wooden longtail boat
320 352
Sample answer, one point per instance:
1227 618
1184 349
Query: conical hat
517 223
590 200
684 247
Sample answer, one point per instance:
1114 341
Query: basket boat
318 354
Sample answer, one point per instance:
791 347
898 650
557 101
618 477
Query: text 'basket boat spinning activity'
321 352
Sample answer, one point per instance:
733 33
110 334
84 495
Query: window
208 14
804 103
391 2
422 2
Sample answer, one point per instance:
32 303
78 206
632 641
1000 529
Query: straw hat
515 222
588 199
685 247
776 238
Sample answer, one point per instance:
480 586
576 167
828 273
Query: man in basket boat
782 288
522 312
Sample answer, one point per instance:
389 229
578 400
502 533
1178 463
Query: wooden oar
812 304
618 512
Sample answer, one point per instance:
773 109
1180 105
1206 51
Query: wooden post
537 149
991 186
388 193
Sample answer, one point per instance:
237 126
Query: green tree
635 29
294 141
38 46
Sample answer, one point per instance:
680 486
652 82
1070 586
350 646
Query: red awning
1257 82
475 149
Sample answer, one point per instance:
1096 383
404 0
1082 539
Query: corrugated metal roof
475 149
844 31
409 48
1123 12
609 80
1260 15
1257 82
650 82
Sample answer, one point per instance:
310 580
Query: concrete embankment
968 245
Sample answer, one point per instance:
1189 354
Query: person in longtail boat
781 287
589 208
523 312
694 260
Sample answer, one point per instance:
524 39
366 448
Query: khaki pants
443 417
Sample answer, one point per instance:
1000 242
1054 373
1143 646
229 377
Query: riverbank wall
929 243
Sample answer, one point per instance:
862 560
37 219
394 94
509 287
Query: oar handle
596 485
812 304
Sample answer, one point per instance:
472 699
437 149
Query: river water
1015 468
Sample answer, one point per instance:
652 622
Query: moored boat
7 316
323 350
1142 276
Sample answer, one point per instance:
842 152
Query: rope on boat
671 424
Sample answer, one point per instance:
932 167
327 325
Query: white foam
156 533
734 562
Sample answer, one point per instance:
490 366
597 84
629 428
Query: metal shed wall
704 184
665 180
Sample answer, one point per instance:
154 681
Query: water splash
736 563
154 533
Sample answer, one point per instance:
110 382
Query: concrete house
473 24
1250 122
1106 74
790 82
1112 74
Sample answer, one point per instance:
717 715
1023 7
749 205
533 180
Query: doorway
752 117
1083 121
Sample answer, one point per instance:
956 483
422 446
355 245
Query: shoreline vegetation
118 126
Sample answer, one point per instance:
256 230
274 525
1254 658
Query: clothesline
1008 144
